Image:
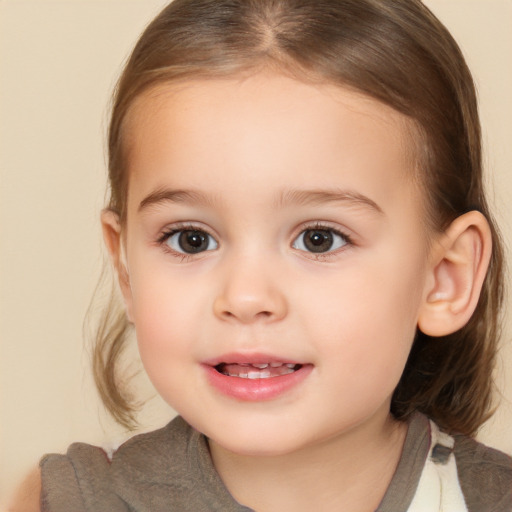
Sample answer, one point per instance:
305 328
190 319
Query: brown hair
400 54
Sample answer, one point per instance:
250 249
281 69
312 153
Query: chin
258 442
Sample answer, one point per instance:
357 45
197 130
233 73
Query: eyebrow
163 195
318 197
288 197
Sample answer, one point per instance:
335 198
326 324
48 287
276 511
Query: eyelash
317 226
167 234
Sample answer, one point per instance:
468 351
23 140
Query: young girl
304 249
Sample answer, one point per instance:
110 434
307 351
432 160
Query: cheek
163 338
366 317
157 312
170 312
368 296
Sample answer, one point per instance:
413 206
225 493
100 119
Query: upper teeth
262 366
257 370
259 374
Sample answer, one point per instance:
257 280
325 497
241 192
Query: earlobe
461 259
111 227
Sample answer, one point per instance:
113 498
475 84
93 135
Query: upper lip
252 358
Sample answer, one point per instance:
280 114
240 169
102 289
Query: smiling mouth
256 370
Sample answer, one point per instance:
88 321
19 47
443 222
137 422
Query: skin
259 163
252 153
255 164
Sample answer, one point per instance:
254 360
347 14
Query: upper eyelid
199 226
329 255
327 226
171 229
323 225
320 227
185 226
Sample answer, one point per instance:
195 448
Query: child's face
269 222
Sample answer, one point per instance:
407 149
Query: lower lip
256 390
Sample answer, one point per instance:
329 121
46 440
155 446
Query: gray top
171 469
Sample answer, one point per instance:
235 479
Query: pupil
193 241
318 240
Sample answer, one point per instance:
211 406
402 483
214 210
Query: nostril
260 314
233 304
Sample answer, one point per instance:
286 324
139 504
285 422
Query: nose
250 293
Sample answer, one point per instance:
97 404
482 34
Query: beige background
58 62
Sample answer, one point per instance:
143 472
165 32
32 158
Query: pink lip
254 390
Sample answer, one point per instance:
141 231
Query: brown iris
318 240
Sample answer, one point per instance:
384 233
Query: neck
350 471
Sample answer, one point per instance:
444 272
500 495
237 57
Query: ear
461 259
111 227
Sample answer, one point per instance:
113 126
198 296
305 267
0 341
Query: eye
320 240
190 241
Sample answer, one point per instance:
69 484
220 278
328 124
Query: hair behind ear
108 328
107 325
449 377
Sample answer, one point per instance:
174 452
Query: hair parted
394 51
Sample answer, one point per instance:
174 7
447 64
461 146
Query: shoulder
78 480
170 469
151 470
167 469
146 451
485 475
86 479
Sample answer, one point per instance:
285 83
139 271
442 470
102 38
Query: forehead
268 126
275 93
